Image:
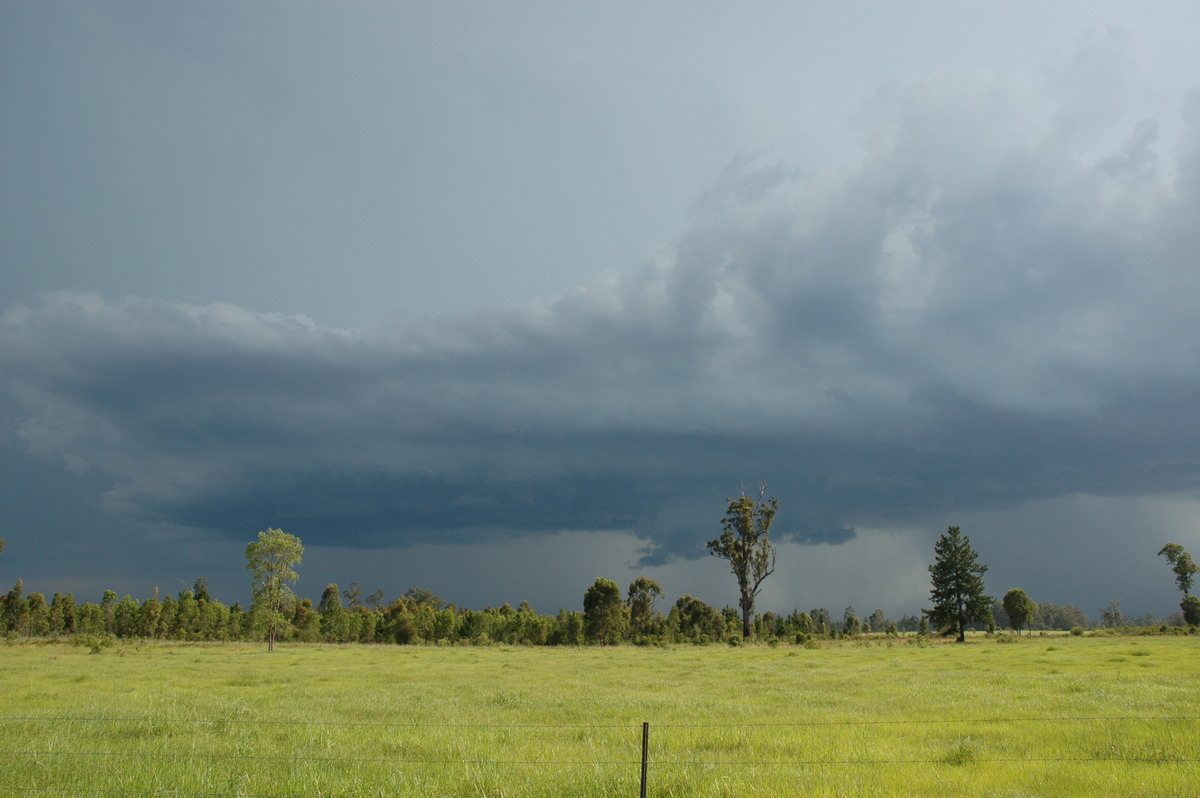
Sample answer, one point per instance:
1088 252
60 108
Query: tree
416 596
643 593
17 609
334 626
1019 608
1111 615
353 595
377 600
1054 616
956 579
1191 610
1181 565
746 544
272 559
39 615
604 614
851 625
698 621
1185 573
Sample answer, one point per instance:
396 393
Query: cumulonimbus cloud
975 315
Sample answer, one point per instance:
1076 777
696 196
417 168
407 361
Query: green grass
1043 716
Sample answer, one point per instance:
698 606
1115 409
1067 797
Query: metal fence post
645 753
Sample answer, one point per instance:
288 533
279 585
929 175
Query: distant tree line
421 617
610 616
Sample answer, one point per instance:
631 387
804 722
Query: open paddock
1044 716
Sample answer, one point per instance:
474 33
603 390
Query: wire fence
75 750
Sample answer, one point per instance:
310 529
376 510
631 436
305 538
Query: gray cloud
968 319
874 343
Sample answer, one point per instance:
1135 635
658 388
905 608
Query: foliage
1019 608
16 610
272 559
745 543
605 616
419 595
1111 616
1181 565
851 625
956 579
697 622
1191 610
643 620
1057 616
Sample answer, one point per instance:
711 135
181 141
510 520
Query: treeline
421 617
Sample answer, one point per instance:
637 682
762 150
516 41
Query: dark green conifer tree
956 579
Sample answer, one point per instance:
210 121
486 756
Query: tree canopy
1185 572
605 617
643 593
272 559
746 544
1181 565
956 579
1019 608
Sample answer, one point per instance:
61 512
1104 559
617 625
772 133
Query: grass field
1043 716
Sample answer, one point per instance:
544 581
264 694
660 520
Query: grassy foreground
1044 716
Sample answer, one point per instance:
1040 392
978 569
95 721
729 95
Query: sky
493 299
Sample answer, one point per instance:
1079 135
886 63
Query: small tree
851 625
17 610
1111 615
1019 608
746 544
272 559
1191 610
1185 573
1181 564
957 584
643 593
354 595
604 615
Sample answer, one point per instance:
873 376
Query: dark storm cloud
969 318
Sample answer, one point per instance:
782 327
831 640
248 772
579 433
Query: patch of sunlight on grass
839 720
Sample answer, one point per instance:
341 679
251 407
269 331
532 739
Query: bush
96 643
1077 631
